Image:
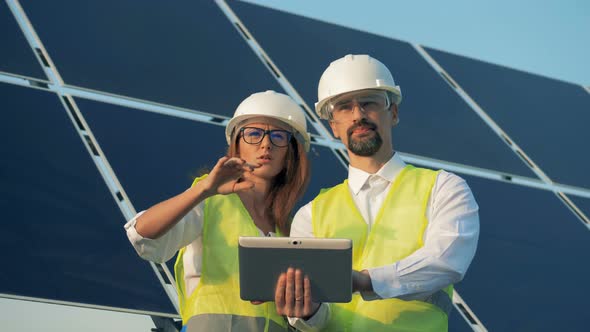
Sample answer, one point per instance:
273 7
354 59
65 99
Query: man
414 230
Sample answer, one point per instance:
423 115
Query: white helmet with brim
352 73
273 105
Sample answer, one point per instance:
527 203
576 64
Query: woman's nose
266 143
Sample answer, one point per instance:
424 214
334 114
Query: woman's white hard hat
352 73
273 105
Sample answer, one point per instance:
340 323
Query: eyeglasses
343 107
253 135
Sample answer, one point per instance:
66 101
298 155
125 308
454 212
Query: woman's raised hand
227 176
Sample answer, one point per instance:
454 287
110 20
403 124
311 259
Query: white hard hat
274 105
352 73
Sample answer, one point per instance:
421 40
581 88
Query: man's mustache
363 123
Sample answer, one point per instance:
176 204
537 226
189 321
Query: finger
242 186
290 292
233 162
251 167
221 162
307 298
257 302
280 293
298 293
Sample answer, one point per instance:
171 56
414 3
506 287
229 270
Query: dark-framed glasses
254 135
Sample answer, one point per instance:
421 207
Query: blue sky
544 37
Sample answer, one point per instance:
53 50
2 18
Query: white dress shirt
450 239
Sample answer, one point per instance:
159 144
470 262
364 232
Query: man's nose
357 112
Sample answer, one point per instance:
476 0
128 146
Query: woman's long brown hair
287 187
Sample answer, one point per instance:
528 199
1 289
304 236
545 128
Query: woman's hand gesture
227 176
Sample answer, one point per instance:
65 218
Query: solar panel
435 121
184 55
530 244
62 231
16 56
547 118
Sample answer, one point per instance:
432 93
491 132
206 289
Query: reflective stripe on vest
397 232
216 322
217 297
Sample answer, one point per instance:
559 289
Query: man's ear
394 115
333 126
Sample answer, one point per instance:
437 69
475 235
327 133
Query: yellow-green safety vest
216 304
397 232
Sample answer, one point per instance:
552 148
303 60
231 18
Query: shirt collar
357 177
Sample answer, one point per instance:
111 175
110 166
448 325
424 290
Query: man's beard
365 146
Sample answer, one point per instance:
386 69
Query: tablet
327 262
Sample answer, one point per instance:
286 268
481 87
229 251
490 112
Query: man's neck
370 164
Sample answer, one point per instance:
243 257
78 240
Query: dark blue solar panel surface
457 323
547 118
62 231
16 56
435 121
582 204
156 156
532 257
187 54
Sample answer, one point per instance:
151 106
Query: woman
250 192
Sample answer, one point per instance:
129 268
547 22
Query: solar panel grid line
14 79
88 306
90 142
119 195
575 210
23 80
145 105
33 40
112 182
273 68
161 271
139 104
115 188
467 314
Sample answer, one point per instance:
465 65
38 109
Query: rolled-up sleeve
163 248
